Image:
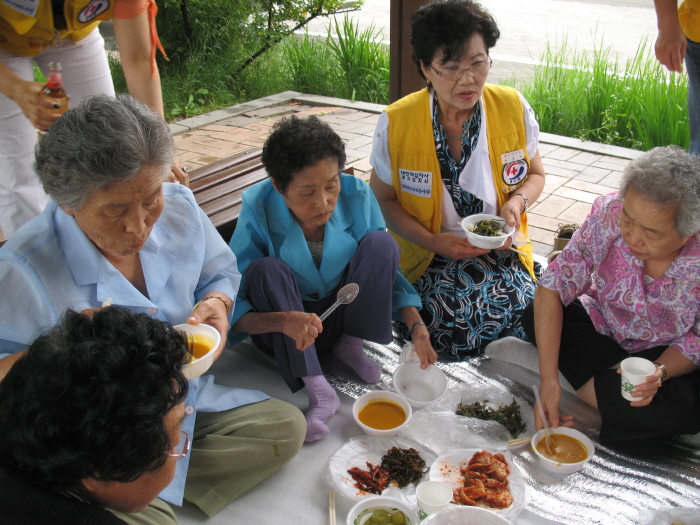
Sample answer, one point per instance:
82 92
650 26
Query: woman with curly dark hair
303 234
457 148
90 420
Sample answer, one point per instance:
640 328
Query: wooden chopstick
519 441
331 507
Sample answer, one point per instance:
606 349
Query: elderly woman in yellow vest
457 148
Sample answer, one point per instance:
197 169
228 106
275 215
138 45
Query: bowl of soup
381 413
202 342
572 449
498 230
381 510
420 386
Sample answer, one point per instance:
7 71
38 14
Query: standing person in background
43 31
679 39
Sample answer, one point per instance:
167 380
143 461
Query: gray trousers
272 287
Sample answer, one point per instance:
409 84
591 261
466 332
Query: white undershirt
476 177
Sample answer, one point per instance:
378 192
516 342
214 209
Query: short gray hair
668 176
100 141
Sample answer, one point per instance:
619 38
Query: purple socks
349 351
323 403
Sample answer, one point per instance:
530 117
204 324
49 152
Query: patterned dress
471 302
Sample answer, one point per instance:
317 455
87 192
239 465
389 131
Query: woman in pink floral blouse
628 284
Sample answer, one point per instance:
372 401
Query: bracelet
664 372
227 305
527 201
415 325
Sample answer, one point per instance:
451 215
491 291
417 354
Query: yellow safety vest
688 15
416 175
25 35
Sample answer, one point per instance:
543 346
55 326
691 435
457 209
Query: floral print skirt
469 303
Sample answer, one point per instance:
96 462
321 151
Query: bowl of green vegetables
381 510
486 231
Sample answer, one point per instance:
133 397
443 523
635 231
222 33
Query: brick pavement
577 171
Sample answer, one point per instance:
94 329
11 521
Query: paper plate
357 451
447 467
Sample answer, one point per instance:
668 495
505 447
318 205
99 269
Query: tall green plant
637 105
312 66
363 59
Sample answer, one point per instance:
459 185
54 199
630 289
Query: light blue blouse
266 228
49 265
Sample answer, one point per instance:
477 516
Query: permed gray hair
100 141
668 176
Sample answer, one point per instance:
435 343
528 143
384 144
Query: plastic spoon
346 295
548 441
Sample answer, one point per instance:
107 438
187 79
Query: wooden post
403 73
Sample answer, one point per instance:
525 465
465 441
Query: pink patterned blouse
598 268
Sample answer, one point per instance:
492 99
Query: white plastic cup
634 372
432 497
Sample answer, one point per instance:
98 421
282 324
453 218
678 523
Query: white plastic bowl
378 502
364 399
487 243
197 367
420 387
563 468
465 516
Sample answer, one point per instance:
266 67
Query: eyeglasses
183 447
478 69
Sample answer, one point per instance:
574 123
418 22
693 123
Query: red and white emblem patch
92 10
515 172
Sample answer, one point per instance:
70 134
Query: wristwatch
664 372
415 325
527 201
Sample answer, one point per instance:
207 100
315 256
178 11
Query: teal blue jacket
266 228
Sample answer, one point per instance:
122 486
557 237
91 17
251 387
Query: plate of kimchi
483 479
362 468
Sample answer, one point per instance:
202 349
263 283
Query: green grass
636 105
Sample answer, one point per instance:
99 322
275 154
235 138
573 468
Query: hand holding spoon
548 441
346 295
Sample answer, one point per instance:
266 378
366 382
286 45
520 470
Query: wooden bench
219 187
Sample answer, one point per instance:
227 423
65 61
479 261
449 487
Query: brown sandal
561 239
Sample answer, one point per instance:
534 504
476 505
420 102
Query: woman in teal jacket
304 233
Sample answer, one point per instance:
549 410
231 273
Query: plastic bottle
54 91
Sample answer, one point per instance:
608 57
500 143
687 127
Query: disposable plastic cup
432 497
634 372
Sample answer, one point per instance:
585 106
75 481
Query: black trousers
585 353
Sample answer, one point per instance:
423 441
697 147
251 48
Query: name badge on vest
417 182
93 10
515 168
26 7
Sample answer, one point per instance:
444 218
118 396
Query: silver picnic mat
610 489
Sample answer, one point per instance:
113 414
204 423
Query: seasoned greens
508 415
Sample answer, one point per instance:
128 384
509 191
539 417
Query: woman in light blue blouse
114 230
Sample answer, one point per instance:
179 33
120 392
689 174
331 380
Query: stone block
553 206
577 195
612 180
561 154
552 182
585 157
575 213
